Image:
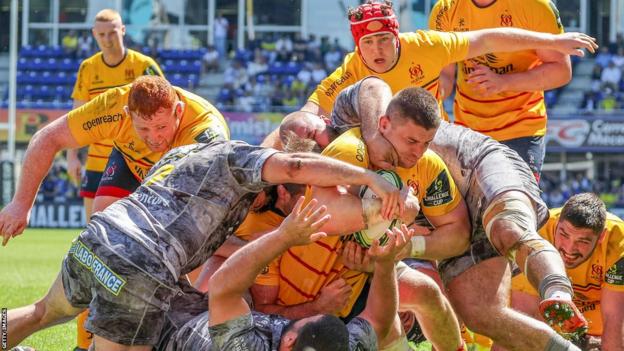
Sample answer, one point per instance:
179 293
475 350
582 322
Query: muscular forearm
505 40
446 241
383 299
613 334
317 170
549 75
37 162
240 270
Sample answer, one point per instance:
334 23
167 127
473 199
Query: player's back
191 200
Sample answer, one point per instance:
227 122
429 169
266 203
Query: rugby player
505 211
144 119
231 324
502 94
591 243
126 267
416 59
114 66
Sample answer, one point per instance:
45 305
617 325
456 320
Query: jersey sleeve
544 17
447 47
327 90
152 68
441 195
81 90
350 148
99 119
614 277
246 162
439 19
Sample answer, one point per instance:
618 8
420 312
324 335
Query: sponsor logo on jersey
338 82
439 192
615 274
97 121
110 280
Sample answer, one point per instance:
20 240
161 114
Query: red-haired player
144 120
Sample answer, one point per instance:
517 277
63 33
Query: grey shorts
127 302
498 172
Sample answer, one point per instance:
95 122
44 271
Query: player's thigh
482 291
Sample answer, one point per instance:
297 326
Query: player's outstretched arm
239 271
612 319
317 170
485 41
383 299
37 162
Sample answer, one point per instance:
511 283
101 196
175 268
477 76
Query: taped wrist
418 246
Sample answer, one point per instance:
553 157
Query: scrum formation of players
167 189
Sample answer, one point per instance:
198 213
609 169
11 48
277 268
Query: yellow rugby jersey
95 77
422 56
104 118
506 115
604 269
256 223
302 271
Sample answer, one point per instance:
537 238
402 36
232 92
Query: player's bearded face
379 51
409 140
158 132
575 245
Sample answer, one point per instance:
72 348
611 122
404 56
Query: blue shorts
90 183
532 150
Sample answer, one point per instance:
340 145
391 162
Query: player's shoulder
615 230
431 158
92 60
139 57
444 5
349 147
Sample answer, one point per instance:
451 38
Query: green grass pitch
29 264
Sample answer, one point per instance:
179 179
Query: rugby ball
366 237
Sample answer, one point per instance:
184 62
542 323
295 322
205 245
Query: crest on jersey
506 20
129 74
596 272
416 73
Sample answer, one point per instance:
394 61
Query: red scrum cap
373 18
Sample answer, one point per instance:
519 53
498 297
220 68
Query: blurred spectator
609 102
318 73
85 43
603 57
618 58
284 48
246 102
70 43
333 58
210 60
290 100
610 76
258 65
235 74
221 26
305 75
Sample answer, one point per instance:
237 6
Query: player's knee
421 293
